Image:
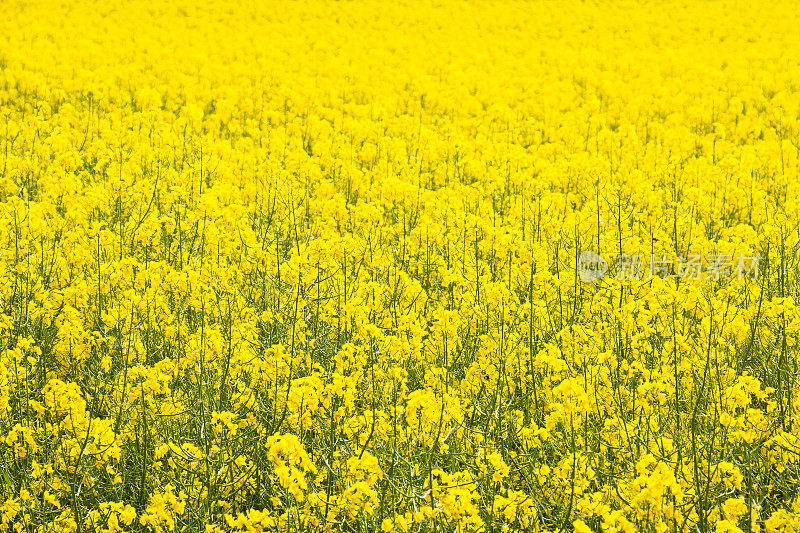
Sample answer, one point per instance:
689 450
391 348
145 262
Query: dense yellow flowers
414 266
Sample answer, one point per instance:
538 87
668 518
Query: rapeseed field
414 266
